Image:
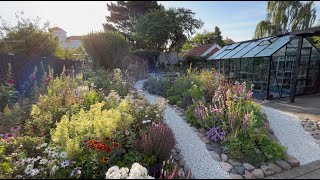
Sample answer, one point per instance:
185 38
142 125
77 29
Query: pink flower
15 128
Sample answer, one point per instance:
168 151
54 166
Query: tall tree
28 37
124 14
286 16
166 29
228 41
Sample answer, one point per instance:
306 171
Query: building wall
74 43
61 35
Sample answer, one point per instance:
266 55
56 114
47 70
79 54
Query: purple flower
2 135
215 135
15 128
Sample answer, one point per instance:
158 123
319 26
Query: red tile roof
73 38
199 50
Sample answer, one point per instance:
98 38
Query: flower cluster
13 134
216 134
136 172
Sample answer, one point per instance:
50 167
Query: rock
318 122
182 162
303 122
274 137
248 175
308 129
184 117
215 144
316 137
267 170
225 150
293 162
209 147
173 151
175 146
215 156
317 131
312 132
270 131
194 129
234 163
226 166
202 130
200 135
283 164
178 157
235 176
258 173
178 150
205 140
218 150
240 169
275 168
248 166
224 157
233 171
186 168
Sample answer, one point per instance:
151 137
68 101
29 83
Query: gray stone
186 167
316 137
248 166
194 129
303 122
226 166
175 146
275 168
178 150
205 140
200 135
267 170
308 128
317 131
178 157
234 163
215 144
215 156
224 157
258 173
182 162
312 132
283 164
270 131
202 130
235 176
233 171
184 117
248 175
173 151
225 150
218 150
209 147
240 169
292 161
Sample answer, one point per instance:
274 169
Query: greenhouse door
305 79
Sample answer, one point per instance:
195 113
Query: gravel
290 133
193 149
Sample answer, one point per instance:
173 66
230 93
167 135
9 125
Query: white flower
127 133
28 169
146 121
43 145
34 172
123 172
64 163
43 161
54 154
113 173
38 158
63 155
138 172
54 169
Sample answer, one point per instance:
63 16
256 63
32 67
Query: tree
27 37
166 29
228 41
124 14
70 53
106 48
286 16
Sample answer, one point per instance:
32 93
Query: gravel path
291 134
192 148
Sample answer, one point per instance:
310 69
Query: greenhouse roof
263 47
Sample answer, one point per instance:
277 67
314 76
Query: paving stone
234 163
248 175
292 161
218 150
205 140
173 151
215 156
267 170
248 166
235 176
283 164
240 169
233 171
209 147
224 157
275 168
225 149
226 166
258 173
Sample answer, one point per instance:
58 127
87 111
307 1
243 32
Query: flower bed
234 129
81 126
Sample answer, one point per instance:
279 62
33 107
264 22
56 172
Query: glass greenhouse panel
245 50
254 51
234 51
232 46
260 77
224 67
218 52
246 70
272 48
222 54
234 70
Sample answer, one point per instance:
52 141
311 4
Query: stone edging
312 127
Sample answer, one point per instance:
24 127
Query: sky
236 19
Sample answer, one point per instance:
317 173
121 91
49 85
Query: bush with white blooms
136 172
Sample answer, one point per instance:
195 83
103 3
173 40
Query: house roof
57 28
73 38
203 50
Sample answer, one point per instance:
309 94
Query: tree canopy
27 37
286 16
166 29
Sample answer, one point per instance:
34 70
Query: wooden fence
23 66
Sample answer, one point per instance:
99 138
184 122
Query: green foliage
107 49
155 86
70 53
36 40
157 28
118 84
173 99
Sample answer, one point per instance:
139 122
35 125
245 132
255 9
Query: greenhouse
269 63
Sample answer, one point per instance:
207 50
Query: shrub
106 48
158 140
173 99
